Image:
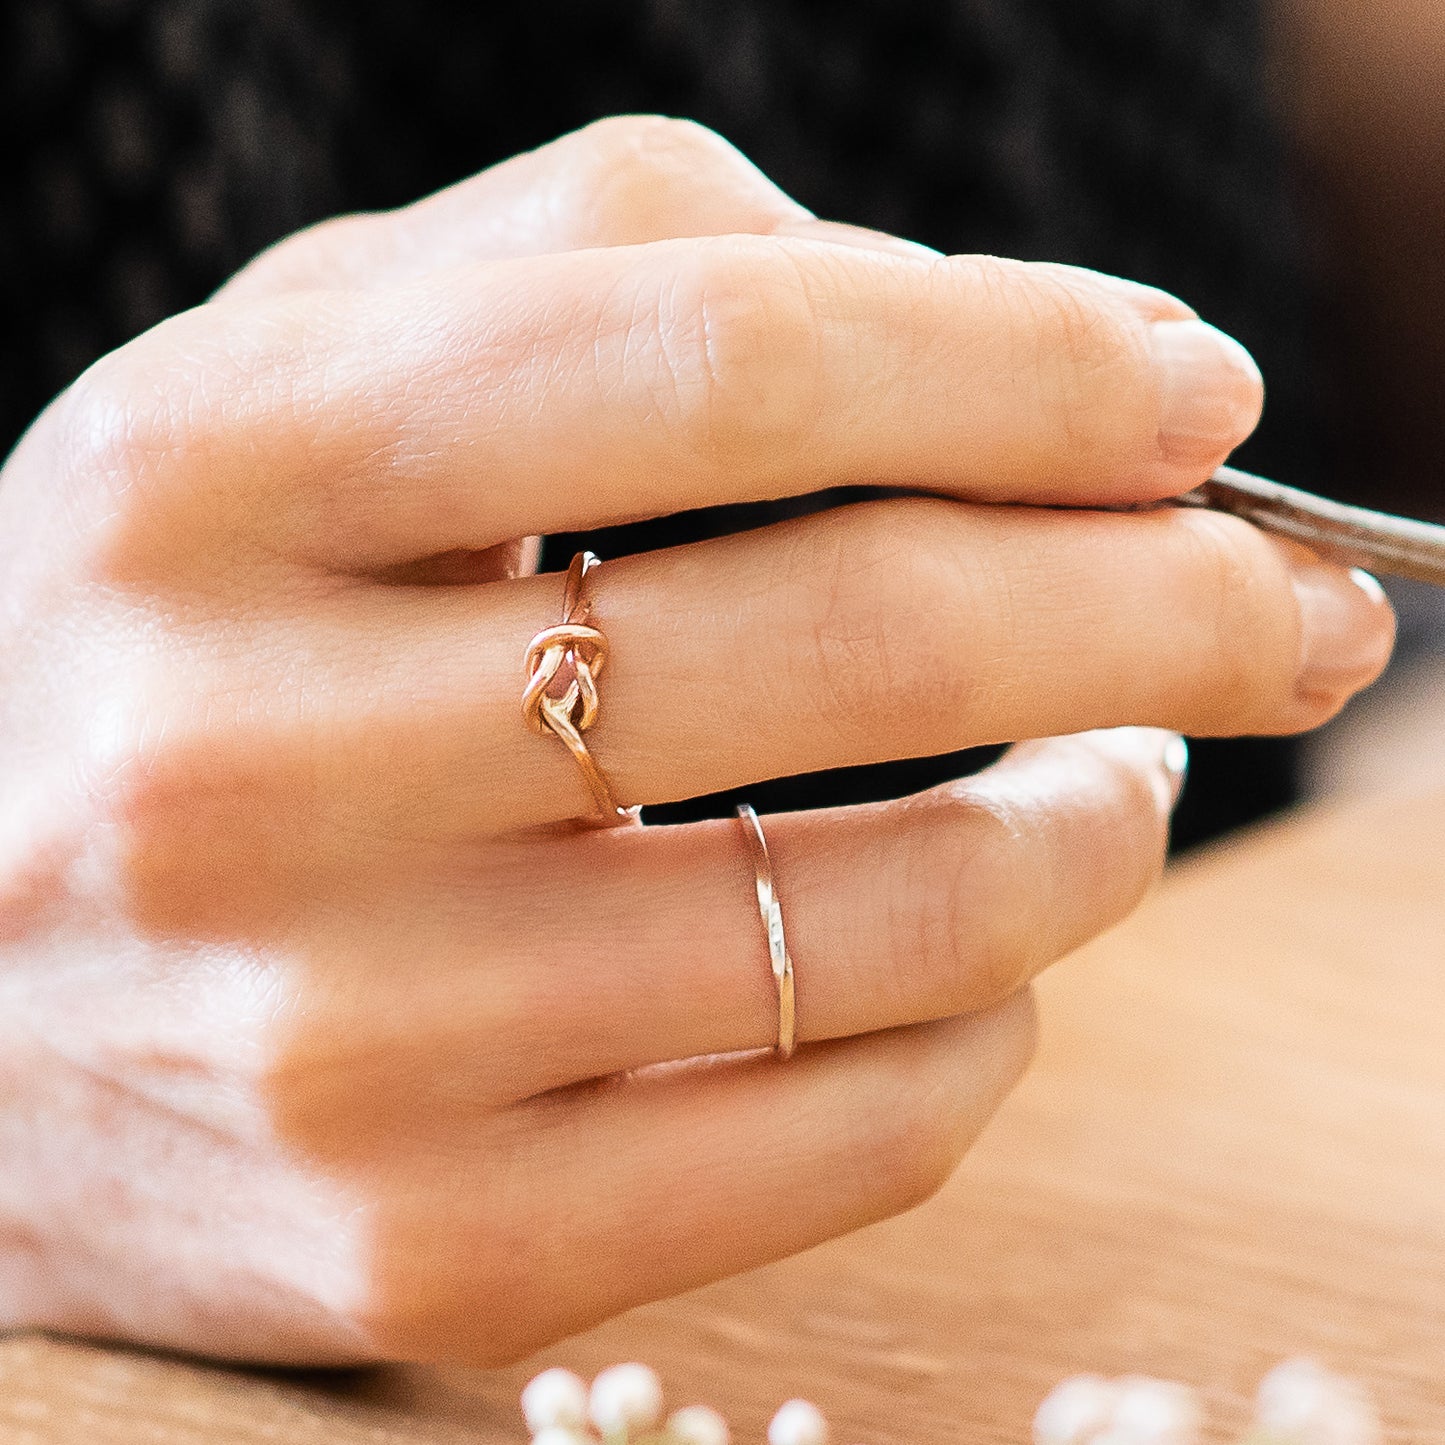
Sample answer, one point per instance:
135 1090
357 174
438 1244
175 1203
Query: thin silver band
772 915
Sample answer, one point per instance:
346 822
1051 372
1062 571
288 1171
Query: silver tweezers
1376 541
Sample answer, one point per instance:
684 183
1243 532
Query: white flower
798 1423
1155 1412
561 1435
625 1398
1089 1410
555 1398
1292 1395
1073 1413
1301 1403
697 1425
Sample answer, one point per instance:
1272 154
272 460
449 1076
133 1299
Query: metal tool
1356 536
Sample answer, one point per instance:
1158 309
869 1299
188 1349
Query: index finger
564 392
621 181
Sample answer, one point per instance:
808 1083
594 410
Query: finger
569 391
891 629
895 913
617 182
673 1179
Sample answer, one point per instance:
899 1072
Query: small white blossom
1089 1410
561 1435
555 1398
798 1423
1291 1395
625 1398
1156 1412
697 1425
1301 1403
1073 1413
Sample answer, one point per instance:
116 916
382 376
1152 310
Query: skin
325 1036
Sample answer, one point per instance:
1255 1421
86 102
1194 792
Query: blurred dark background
155 147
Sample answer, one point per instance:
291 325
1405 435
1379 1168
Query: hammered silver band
772 916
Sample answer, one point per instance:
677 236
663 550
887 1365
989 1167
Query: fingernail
1176 765
1347 628
1211 392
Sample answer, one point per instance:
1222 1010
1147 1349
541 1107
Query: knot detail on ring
576 653
563 664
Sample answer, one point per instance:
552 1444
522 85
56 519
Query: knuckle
316 1069
416 1313
916 1146
879 605
976 957
1250 642
1095 368
203 826
652 143
154 441
741 360
935 1120
505 1305
1131 812
627 175
317 254
1089 363
114 428
1107 846
333 1097
122 450
925 1123
1115 802
1002 875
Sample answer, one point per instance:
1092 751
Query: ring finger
887 630
896 913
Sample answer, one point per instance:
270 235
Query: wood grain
1232 1149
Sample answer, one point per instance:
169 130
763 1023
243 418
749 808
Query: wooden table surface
1231 1149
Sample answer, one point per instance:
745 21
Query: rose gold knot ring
563 664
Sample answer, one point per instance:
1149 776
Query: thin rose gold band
772 915
570 656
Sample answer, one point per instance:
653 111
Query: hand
320 1040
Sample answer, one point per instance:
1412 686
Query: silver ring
772 915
